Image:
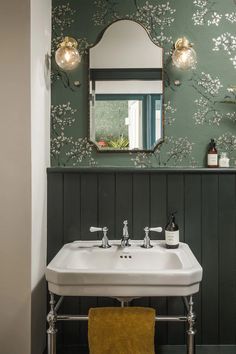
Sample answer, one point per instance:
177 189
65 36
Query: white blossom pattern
156 19
208 88
214 19
180 150
64 147
62 116
141 159
62 19
83 45
62 16
105 12
226 42
233 59
201 12
81 151
231 17
210 85
227 143
207 110
69 146
169 111
206 113
58 143
204 13
231 116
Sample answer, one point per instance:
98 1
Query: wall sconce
184 56
67 56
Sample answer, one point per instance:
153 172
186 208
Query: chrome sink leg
191 319
52 331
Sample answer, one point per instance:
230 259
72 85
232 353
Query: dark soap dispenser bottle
212 155
172 233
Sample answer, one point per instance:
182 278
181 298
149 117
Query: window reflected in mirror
131 126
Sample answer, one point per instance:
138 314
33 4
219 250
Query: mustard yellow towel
128 330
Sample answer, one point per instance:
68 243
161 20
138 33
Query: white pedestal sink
82 268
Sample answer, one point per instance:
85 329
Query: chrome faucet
147 241
105 241
125 237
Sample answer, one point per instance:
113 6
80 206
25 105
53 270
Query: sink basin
82 268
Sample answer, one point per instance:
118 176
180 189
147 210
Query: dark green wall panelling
206 205
192 109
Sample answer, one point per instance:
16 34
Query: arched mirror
126 89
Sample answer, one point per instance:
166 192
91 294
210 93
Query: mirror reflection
126 89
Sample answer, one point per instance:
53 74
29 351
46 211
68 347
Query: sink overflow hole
126 257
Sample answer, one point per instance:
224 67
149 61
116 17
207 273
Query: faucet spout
125 237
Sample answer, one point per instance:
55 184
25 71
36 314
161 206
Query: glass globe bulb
67 56
184 56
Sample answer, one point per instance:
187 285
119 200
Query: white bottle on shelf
224 160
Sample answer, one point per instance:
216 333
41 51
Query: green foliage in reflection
110 120
120 143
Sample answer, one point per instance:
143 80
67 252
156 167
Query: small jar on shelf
224 160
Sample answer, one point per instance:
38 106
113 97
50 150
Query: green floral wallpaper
195 108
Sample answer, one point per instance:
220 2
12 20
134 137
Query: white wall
23 177
40 140
15 178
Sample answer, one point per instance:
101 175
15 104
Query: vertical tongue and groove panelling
206 206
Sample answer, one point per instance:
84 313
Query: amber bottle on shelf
172 233
212 155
